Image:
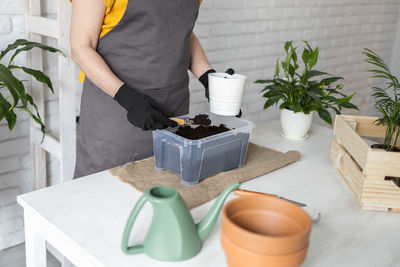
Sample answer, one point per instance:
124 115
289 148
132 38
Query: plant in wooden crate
387 104
369 173
299 93
19 97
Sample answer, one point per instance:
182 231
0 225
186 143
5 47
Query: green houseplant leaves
19 97
302 91
388 105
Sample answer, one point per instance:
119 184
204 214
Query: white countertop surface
92 211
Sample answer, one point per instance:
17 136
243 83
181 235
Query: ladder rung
42 26
50 144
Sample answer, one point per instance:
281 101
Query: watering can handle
128 228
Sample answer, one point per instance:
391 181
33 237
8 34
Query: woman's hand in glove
143 111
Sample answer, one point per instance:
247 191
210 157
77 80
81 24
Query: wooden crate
362 168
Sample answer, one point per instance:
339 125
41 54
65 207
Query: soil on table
202 131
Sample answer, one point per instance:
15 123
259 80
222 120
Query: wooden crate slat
366 126
347 169
383 163
351 141
381 203
373 208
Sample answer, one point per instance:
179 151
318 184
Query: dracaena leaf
13 46
32 45
15 86
37 74
36 118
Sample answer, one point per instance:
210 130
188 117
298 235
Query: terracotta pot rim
306 230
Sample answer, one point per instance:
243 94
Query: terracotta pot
264 231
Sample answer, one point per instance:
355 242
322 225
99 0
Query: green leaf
349 105
11 118
314 73
7 113
32 45
288 59
37 74
277 70
330 80
314 57
288 44
36 118
325 115
15 86
13 46
4 106
308 46
264 81
271 101
284 105
305 56
298 108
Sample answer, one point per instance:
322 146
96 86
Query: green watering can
173 235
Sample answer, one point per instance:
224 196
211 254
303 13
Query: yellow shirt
115 9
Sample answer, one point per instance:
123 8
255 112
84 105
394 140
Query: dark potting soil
201 119
200 131
381 146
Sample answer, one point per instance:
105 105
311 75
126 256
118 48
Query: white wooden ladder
64 148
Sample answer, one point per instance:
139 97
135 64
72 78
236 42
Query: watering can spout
205 226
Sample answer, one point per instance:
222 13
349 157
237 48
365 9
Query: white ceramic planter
226 93
295 125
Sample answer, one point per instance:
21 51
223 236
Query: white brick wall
247 35
14 147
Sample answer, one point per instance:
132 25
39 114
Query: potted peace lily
15 96
299 93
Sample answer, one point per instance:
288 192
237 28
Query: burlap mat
259 161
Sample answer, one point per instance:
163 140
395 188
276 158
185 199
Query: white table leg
35 245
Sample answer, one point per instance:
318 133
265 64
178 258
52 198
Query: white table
84 219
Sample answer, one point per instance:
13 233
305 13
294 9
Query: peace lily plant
387 100
299 93
16 96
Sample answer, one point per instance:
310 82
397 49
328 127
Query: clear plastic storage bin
195 160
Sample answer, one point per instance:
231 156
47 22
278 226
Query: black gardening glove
143 111
204 80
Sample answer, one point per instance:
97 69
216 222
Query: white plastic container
226 93
195 160
295 125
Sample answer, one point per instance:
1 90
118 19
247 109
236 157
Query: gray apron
149 51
